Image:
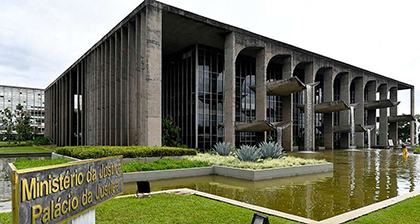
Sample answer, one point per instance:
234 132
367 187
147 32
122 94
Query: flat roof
21 87
220 25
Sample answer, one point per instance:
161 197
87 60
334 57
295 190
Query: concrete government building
31 99
218 83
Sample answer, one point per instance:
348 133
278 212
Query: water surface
360 178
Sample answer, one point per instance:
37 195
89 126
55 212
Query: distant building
218 83
32 101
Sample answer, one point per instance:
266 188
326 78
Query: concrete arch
381 85
304 71
368 78
249 51
279 58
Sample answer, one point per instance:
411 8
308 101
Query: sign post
59 193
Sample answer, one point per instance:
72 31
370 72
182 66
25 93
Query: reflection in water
359 178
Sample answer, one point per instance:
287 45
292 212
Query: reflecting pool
360 178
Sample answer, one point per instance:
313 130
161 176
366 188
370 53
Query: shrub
270 150
42 141
162 164
89 152
248 153
170 133
231 161
223 148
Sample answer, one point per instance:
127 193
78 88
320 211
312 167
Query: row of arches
332 85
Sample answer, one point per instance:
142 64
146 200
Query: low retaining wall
57 156
272 173
167 174
229 172
26 154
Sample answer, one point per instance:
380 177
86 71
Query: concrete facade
126 84
32 100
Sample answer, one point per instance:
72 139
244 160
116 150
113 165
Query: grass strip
24 163
404 212
172 208
162 164
169 208
13 143
28 149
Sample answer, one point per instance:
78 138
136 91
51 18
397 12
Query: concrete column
287 107
107 94
112 92
151 54
328 118
66 109
84 110
345 115
371 96
261 92
140 82
393 127
90 100
70 109
383 117
124 87
132 82
102 96
359 111
229 89
117 88
412 123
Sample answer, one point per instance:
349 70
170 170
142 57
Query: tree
6 119
170 133
404 130
23 124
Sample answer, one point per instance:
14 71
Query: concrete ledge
273 172
57 156
26 154
167 174
369 209
239 173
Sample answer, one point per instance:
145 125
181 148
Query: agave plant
248 153
223 148
270 150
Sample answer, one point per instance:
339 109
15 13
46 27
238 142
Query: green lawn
162 164
24 163
169 208
405 212
23 149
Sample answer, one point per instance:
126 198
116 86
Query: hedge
91 152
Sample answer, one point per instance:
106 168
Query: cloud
41 39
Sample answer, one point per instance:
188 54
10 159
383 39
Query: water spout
368 136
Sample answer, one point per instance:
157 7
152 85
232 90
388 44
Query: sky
40 39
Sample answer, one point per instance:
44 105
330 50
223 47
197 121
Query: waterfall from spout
352 127
279 137
417 131
309 115
368 136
